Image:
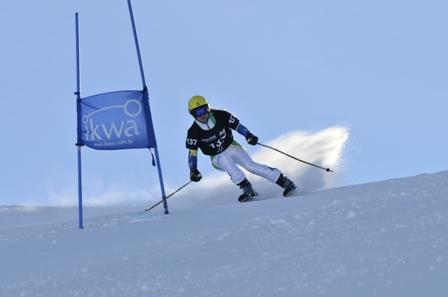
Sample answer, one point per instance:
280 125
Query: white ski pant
235 155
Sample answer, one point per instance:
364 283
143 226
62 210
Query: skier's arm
192 147
195 175
242 130
251 139
235 124
193 159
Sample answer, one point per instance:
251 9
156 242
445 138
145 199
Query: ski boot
286 184
248 191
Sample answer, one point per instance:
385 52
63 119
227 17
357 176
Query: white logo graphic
113 130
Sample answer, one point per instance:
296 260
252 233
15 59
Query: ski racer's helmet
197 106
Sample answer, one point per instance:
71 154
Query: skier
211 131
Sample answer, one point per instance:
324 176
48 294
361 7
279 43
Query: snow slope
381 239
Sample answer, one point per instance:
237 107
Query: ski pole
148 209
308 163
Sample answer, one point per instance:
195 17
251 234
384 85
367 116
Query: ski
245 197
289 191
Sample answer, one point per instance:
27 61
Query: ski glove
251 139
195 175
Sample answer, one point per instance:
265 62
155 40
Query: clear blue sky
379 67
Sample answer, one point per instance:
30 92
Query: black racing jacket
217 139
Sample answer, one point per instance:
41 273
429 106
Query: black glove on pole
251 139
195 175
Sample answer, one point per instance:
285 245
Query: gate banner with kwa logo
116 120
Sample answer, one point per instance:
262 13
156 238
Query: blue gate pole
78 113
134 30
80 215
159 170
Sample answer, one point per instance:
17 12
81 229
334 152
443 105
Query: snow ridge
380 239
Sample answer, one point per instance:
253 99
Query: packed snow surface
386 238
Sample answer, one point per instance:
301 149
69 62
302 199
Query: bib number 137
192 141
216 145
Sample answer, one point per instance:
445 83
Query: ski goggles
199 111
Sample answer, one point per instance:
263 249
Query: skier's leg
242 158
272 174
286 184
224 161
